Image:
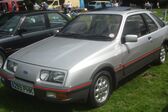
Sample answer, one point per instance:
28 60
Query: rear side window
34 23
161 23
135 26
150 23
56 20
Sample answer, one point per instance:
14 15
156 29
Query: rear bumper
52 94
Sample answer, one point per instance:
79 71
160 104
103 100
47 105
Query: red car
6 5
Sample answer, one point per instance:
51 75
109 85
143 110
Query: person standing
14 6
115 3
69 6
44 6
36 6
158 4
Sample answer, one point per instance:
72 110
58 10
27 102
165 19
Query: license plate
22 88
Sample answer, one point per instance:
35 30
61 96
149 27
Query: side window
56 20
161 23
33 23
135 26
150 23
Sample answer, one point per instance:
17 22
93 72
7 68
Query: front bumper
76 93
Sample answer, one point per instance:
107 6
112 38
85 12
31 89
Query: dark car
21 29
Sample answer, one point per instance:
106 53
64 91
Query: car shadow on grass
134 75
11 101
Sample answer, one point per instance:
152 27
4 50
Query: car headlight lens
52 76
11 66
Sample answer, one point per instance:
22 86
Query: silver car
88 58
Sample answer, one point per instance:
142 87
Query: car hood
61 53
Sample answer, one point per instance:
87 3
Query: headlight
11 66
52 76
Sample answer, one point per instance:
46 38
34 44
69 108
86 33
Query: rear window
160 22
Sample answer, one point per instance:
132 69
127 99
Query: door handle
149 38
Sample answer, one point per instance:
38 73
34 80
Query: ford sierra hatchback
88 58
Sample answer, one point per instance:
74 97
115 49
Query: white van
99 4
53 4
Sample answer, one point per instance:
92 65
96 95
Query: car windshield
93 26
9 24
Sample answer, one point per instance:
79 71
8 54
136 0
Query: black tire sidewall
91 99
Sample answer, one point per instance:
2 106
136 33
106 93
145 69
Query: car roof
117 10
32 12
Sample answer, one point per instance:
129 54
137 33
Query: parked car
21 29
99 4
6 5
87 59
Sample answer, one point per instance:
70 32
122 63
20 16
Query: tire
162 55
2 59
101 89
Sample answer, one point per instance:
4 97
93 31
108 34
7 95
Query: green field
146 92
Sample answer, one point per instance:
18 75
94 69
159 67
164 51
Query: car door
56 21
156 35
33 29
136 54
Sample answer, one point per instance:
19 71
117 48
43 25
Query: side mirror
131 38
20 31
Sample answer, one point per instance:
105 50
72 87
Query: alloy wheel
101 89
162 54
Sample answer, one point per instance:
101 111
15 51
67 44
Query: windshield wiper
99 37
85 36
73 35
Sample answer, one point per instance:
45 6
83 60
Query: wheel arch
165 42
109 68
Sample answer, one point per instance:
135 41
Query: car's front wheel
101 88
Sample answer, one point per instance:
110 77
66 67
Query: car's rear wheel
162 55
101 89
2 59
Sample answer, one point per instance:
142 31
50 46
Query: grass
146 92
161 13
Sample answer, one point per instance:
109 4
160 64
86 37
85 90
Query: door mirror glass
131 38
